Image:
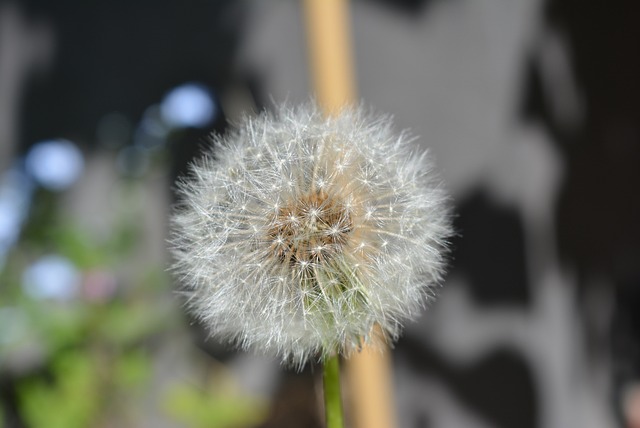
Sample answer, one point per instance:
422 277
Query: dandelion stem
332 399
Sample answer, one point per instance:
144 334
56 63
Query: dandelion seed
291 238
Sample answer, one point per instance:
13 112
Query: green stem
332 400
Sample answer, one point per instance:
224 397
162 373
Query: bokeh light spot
188 105
55 164
51 277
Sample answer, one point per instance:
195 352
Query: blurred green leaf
132 369
126 323
197 409
124 239
78 246
72 400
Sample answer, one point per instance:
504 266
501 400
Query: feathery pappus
297 233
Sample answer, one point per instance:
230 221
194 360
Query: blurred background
530 107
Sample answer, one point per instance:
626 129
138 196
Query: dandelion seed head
298 233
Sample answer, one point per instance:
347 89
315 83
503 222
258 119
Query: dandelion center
310 228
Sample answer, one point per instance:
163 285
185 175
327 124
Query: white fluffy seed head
298 233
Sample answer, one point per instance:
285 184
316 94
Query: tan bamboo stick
331 62
370 400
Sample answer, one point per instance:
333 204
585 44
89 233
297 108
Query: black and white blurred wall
532 110
530 107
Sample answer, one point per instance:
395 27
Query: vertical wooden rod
331 62
370 397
